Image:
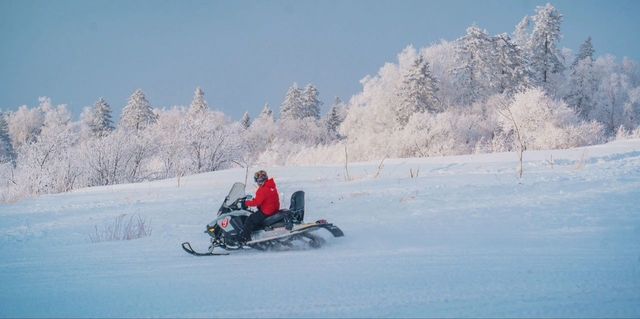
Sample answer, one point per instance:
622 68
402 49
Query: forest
480 93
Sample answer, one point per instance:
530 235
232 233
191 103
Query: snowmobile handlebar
239 203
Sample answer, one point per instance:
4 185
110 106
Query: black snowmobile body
284 229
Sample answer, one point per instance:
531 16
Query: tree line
479 93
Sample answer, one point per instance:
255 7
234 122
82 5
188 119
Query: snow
464 238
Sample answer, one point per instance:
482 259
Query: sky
244 54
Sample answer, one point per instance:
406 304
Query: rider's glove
243 205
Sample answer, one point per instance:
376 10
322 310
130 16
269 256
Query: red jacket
267 199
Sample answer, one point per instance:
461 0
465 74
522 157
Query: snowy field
464 238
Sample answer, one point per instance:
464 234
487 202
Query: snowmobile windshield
237 191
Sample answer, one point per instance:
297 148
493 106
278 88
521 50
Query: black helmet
260 177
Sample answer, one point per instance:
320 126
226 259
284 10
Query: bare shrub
122 229
380 167
550 161
346 164
582 162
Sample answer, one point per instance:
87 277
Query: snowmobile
283 230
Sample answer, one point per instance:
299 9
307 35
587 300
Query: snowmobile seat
293 215
296 208
276 218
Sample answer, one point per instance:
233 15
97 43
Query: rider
267 201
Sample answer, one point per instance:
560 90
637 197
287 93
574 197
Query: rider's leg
253 221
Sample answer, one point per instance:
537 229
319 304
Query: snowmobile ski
187 247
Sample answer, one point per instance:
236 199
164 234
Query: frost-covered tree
48 165
141 149
119 157
611 95
98 119
335 117
583 81
337 102
45 160
473 72
212 143
137 149
417 93
632 69
56 120
370 122
167 135
442 59
509 66
545 57
25 123
311 102
299 104
7 154
259 136
137 114
582 87
451 132
105 159
292 106
614 91
545 123
266 111
631 110
522 33
206 135
586 52
86 120
298 127
291 137
246 120
199 104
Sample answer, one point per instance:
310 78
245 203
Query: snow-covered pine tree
586 52
631 118
474 60
522 35
7 154
582 81
510 68
199 104
101 123
266 111
545 58
311 102
291 107
417 93
246 120
338 101
334 118
137 114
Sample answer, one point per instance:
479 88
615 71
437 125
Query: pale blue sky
246 53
